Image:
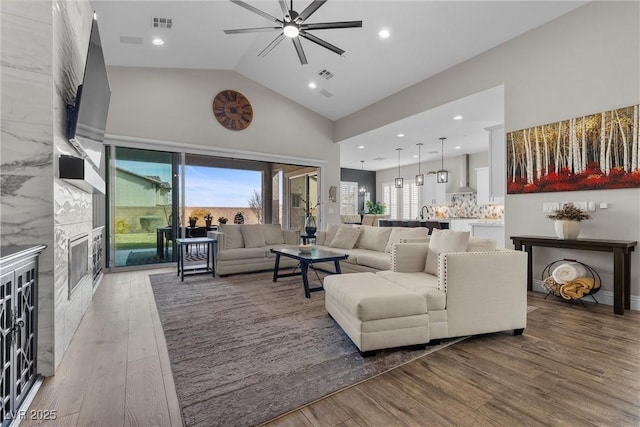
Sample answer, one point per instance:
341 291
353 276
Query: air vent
161 22
433 152
325 93
378 158
130 40
326 74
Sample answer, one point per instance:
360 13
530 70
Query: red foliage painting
593 152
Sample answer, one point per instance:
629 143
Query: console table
621 250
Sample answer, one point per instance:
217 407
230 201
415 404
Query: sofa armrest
219 236
408 257
291 237
485 291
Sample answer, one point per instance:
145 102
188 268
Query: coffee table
306 260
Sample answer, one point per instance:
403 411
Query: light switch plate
550 207
580 205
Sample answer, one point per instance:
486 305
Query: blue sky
206 186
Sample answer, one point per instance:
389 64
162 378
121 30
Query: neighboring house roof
153 178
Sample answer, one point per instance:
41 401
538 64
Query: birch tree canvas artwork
599 151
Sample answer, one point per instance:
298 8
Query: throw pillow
477 244
232 236
252 236
332 229
374 238
273 234
443 241
398 233
346 237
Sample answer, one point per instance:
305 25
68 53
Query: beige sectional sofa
243 248
368 247
430 294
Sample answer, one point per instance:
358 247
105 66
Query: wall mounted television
87 117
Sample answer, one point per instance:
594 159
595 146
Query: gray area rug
245 350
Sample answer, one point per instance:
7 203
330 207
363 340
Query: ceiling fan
293 26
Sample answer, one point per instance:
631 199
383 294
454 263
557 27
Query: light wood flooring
573 366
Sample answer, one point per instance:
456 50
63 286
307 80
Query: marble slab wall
44 47
26 148
73 210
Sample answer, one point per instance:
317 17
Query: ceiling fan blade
283 6
256 10
330 25
271 45
252 30
310 10
321 42
299 50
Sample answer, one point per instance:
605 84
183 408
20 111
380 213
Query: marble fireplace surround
38 79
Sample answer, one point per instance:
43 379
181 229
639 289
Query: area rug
245 350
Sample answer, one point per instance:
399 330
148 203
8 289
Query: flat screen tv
87 117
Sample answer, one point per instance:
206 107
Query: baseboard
603 297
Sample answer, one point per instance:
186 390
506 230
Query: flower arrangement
193 218
207 216
569 212
223 220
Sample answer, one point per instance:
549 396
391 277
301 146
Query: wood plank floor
574 366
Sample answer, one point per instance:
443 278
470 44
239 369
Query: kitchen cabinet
461 224
497 164
483 185
494 231
434 194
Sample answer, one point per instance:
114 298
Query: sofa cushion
398 233
252 235
272 234
421 283
374 238
444 241
368 297
377 260
346 237
240 253
477 244
232 236
326 237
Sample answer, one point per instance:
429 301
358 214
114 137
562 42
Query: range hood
80 173
464 177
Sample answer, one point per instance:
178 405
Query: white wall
582 63
175 106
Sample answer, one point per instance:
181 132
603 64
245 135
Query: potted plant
567 221
207 219
238 218
192 221
376 208
222 220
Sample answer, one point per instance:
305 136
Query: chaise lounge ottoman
374 313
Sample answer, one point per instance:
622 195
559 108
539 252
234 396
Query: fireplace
78 260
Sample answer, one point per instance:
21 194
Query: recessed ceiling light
400 135
384 34
95 16
312 85
458 117
415 156
457 147
360 146
158 42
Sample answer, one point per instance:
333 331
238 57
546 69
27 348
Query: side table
198 262
308 238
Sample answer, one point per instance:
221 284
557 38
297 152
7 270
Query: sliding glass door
143 207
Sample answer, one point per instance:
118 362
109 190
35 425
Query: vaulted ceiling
426 37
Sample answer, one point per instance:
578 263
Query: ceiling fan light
291 30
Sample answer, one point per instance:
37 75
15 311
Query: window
390 198
410 200
348 198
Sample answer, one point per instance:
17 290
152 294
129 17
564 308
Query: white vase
567 229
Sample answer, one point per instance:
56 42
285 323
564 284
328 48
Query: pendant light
420 176
399 180
363 189
442 175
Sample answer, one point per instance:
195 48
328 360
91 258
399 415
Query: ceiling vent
378 158
161 22
433 152
325 93
326 74
130 40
